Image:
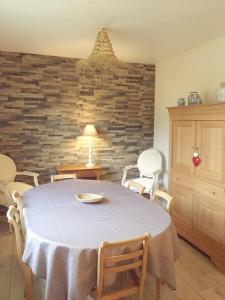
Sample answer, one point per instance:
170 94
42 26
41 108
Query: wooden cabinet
199 192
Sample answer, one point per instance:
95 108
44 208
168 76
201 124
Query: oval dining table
63 234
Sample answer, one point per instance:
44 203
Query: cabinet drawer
84 173
210 191
197 186
185 181
87 173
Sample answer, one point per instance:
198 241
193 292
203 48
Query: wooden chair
62 176
136 187
13 216
166 197
128 263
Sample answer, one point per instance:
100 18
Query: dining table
62 234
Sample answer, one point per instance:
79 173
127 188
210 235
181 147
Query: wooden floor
197 278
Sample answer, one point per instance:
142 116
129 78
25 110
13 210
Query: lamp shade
90 130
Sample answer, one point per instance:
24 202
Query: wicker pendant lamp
102 57
103 47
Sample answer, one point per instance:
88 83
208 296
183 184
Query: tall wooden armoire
199 191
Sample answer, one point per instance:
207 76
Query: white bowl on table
89 197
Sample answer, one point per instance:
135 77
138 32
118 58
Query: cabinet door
211 145
183 208
183 141
209 218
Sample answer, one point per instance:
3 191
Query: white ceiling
140 30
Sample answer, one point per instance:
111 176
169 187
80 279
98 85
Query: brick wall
45 104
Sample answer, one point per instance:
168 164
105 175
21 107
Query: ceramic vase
220 93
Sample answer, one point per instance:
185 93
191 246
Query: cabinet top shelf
201 112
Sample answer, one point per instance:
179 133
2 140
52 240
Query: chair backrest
135 186
13 216
7 168
166 197
128 262
62 176
149 161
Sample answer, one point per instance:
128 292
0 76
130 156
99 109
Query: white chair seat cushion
146 182
19 187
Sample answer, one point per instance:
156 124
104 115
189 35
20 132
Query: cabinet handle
177 179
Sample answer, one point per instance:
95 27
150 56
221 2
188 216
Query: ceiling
140 30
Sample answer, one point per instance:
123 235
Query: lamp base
89 165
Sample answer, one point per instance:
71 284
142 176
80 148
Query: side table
81 171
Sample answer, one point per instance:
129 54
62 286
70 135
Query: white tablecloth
63 235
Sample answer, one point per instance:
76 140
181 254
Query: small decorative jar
194 98
198 100
191 99
220 93
181 102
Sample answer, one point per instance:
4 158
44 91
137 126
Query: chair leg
28 290
10 228
141 289
141 293
28 283
158 285
151 195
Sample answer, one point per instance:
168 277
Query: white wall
200 69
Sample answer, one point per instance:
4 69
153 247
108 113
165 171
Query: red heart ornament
196 160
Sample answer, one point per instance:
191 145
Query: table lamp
90 131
